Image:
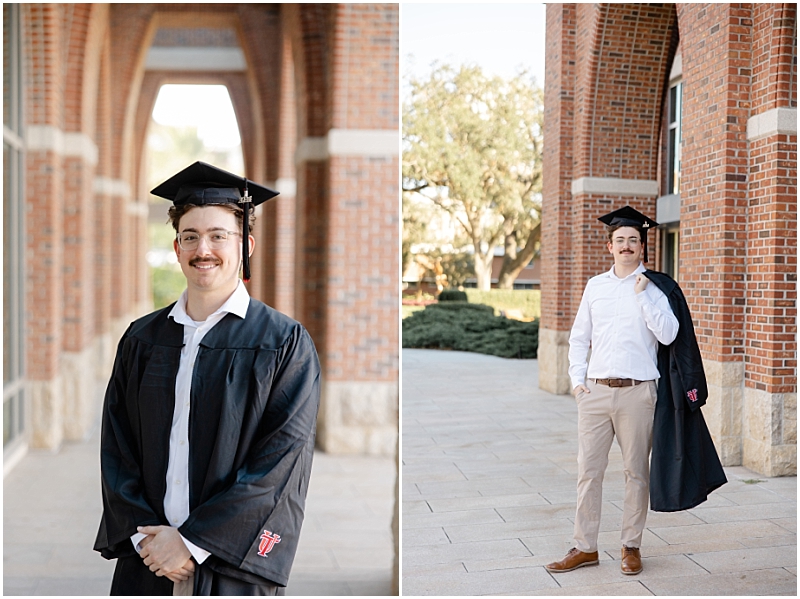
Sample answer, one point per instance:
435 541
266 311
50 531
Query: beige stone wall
46 401
358 417
554 361
396 524
723 411
78 377
770 432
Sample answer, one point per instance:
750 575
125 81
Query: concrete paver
52 506
489 476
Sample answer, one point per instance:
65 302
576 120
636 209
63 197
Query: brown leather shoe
631 560
574 559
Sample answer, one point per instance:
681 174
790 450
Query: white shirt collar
237 304
639 269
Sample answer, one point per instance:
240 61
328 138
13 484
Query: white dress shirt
622 328
176 499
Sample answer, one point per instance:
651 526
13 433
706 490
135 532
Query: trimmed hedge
452 295
527 301
464 326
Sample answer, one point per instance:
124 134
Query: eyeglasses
216 240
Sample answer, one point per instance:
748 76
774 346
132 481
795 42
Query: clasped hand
165 553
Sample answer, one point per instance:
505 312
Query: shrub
470 327
453 295
527 301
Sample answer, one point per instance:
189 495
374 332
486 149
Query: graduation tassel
246 234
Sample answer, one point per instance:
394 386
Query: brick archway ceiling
630 45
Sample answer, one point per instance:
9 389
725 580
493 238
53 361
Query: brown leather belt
617 382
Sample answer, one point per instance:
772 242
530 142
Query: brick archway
605 82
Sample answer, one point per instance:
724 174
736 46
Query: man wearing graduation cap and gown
209 417
623 319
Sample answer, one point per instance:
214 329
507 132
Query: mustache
199 260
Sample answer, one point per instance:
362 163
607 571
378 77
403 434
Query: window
670 238
674 144
13 237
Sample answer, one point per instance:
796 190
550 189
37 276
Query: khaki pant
602 413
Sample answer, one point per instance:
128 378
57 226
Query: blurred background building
687 112
315 93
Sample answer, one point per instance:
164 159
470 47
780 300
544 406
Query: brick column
78 364
347 169
280 213
715 48
558 238
44 192
769 443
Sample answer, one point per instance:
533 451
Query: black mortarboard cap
202 184
629 217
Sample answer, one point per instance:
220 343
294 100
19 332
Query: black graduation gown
254 402
684 466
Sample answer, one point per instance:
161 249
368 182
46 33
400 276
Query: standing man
623 319
209 416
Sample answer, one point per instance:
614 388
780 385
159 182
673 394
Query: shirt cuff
136 539
198 554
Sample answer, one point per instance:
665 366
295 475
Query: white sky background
497 37
206 107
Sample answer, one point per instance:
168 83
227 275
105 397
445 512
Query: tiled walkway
51 509
489 474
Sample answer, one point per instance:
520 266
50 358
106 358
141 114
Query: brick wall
715 47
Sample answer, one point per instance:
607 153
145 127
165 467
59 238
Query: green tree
475 142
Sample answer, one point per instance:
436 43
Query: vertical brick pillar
280 213
360 389
44 221
104 222
715 47
558 238
769 443
78 287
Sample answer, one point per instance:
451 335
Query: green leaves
480 138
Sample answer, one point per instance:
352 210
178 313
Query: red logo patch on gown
268 541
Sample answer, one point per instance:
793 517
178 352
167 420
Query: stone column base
396 523
723 410
770 432
104 351
46 401
358 417
554 361
78 376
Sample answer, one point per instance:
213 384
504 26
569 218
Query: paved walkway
52 505
489 474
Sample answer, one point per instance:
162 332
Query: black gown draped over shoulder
684 465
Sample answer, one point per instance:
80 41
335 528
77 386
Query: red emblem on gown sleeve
268 541
692 395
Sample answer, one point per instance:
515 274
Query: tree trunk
483 270
513 265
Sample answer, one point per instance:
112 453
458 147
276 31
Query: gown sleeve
124 504
254 524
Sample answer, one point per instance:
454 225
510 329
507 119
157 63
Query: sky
206 107
497 37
